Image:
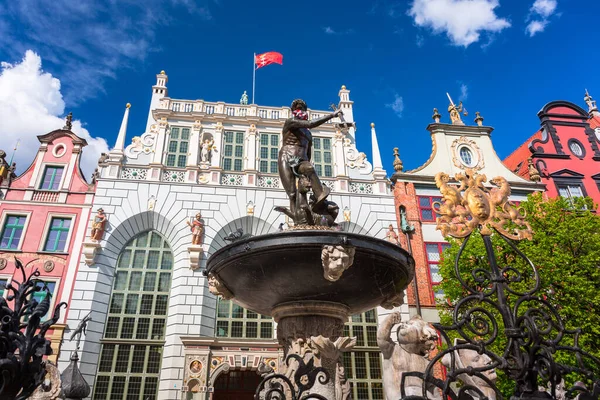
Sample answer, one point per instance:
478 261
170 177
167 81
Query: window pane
131 305
158 329
239 138
142 328
133 388
264 166
139 258
237 166
106 357
264 140
146 304
150 388
222 329
374 365
142 240
118 388
427 215
161 305
239 151
135 281
101 388
185 134
576 191
237 311
116 304
223 309
171 160
139 357
360 365
251 329
433 252
127 328
424 202
164 282
266 330
154 356
174 133
122 361
112 327
167 261
150 281
236 329
275 140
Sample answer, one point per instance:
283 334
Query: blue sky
503 58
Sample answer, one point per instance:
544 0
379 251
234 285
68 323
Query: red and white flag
271 57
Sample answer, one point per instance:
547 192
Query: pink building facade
44 215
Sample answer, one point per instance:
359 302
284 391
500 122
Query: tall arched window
134 333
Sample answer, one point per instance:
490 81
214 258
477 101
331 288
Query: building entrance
236 385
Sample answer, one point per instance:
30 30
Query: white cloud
397 105
462 21
420 40
464 92
539 13
89 41
329 30
544 8
31 104
536 27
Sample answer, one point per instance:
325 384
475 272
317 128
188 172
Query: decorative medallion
473 206
3 263
195 367
471 156
48 266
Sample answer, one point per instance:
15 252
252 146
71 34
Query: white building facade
156 331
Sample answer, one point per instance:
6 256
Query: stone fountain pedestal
311 282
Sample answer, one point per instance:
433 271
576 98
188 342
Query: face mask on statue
300 114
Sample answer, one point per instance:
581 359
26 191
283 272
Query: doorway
236 385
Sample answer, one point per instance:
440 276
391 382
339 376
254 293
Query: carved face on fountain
336 259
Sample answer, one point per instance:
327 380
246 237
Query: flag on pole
271 57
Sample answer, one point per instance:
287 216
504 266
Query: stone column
311 333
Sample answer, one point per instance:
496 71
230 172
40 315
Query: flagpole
253 76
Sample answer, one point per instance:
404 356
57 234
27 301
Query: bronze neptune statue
297 173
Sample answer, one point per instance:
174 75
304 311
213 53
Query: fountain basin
266 271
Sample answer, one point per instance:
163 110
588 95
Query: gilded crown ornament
471 205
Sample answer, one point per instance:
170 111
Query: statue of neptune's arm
299 124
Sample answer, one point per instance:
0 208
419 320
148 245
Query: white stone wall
191 306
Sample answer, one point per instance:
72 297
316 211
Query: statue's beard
300 114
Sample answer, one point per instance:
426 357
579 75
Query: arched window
134 333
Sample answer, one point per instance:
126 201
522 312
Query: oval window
576 149
466 156
597 132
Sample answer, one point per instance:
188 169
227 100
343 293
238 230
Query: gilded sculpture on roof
469 205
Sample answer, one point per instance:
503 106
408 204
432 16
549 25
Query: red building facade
44 214
564 153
